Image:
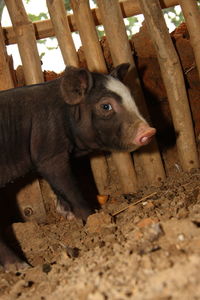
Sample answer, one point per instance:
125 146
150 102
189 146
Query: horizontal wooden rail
44 29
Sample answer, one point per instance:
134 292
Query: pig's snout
144 134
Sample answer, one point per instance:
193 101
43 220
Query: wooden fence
110 14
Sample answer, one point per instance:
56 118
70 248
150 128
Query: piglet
43 125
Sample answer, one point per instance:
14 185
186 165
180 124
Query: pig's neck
79 148
80 144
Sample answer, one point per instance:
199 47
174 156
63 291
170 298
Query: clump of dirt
138 246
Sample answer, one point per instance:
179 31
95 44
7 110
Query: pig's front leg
57 172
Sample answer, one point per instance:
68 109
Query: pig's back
18 109
14 132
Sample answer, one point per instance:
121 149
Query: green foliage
42 41
131 21
67 4
41 55
45 42
41 16
2 4
175 17
100 31
52 48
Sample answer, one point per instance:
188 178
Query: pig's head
103 113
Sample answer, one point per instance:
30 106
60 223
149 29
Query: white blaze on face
120 89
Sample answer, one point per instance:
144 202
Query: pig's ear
75 84
120 71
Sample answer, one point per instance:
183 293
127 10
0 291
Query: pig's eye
107 106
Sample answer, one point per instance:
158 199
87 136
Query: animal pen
115 173
147 161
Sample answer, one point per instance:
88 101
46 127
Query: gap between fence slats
62 31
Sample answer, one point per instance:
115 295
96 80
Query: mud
133 248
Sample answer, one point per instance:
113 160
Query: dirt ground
133 248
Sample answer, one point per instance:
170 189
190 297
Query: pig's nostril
144 139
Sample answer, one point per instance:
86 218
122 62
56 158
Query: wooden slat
88 35
6 80
25 37
111 15
191 13
44 29
62 31
174 83
30 196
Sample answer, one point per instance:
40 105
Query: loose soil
133 248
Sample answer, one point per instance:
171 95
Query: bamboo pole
44 29
25 36
62 31
88 35
111 15
174 83
29 196
95 62
6 80
192 17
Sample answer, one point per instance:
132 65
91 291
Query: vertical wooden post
192 17
112 20
174 83
30 196
26 41
88 35
96 62
6 81
62 31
